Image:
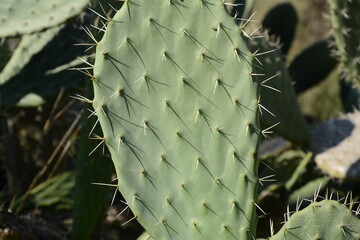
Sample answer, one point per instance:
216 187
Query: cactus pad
179 112
18 17
345 20
278 96
321 220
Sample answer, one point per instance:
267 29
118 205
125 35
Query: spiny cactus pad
345 20
321 220
179 112
277 95
18 17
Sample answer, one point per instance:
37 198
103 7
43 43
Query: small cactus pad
327 219
175 98
345 20
18 17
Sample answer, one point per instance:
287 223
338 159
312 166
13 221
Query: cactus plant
240 9
278 95
345 20
29 46
350 96
178 101
313 221
313 64
40 59
281 22
88 209
178 106
25 17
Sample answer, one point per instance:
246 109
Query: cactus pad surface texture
178 105
327 219
18 17
345 20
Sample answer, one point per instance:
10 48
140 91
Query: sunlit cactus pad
19 17
179 110
321 220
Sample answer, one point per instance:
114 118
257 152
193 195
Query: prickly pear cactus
178 106
28 47
41 59
345 20
18 17
277 97
321 220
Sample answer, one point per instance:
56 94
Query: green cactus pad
28 47
179 113
89 208
18 17
345 20
327 219
39 67
281 106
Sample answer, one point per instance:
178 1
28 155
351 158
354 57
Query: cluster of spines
349 230
346 28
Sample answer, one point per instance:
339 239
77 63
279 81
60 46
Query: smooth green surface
179 113
327 219
30 100
18 17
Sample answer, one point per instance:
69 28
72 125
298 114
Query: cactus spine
345 20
